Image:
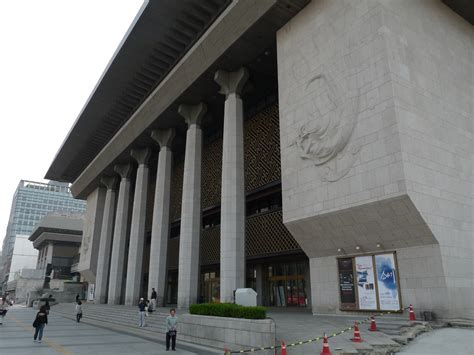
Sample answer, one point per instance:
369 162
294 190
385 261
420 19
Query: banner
387 282
346 283
366 283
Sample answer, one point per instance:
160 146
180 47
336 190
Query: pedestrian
47 307
141 313
40 322
77 298
78 311
3 309
171 329
154 296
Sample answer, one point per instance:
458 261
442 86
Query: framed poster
346 283
387 280
367 297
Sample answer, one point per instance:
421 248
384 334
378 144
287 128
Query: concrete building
57 237
318 151
54 246
24 256
31 202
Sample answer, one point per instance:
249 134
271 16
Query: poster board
346 283
369 282
365 279
387 280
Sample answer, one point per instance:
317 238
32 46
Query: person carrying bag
171 330
39 323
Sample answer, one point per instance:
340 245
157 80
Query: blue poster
387 279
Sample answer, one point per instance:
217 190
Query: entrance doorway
172 287
210 287
285 285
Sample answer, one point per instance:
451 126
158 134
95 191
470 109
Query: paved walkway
453 341
64 336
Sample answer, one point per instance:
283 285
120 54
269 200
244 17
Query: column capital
110 182
141 155
193 114
124 170
231 82
164 137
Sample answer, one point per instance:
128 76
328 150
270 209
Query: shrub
228 310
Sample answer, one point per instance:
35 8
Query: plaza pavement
453 341
65 336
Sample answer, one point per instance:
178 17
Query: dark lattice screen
266 234
262 148
176 191
210 246
211 174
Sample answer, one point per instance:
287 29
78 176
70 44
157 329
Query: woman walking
78 311
40 322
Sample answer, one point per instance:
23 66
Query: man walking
171 328
153 297
141 313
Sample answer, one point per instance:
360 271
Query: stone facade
374 151
376 144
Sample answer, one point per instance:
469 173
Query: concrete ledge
230 333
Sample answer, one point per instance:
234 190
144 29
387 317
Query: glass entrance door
210 287
285 285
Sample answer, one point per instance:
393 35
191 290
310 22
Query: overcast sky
52 54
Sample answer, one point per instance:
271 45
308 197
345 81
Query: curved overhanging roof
161 34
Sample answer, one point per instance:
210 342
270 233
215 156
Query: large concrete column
233 184
188 273
137 229
117 260
161 214
105 245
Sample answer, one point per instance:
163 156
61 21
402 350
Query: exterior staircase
118 315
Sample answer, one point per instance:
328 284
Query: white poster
366 282
387 280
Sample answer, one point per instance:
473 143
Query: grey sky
52 54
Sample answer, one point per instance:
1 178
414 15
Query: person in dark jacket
141 312
40 322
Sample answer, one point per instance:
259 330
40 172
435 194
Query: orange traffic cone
356 338
412 313
283 348
326 350
373 325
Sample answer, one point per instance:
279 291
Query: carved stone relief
331 117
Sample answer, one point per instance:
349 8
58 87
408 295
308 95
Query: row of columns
116 227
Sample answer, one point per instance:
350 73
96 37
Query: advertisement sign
346 283
387 280
366 282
